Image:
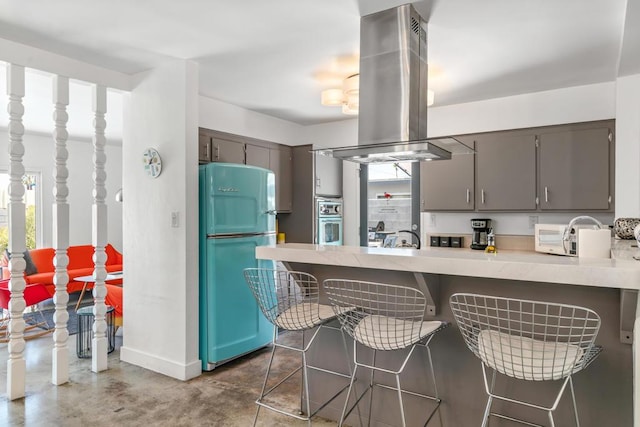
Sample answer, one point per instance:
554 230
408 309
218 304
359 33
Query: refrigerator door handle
238 235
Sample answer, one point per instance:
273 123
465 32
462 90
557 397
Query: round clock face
152 162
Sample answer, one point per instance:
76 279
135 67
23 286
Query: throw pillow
30 267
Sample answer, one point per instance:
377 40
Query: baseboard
162 366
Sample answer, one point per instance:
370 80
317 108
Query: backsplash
504 223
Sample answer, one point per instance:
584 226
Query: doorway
389 203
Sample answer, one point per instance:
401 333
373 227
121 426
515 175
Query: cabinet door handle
217 152
482 195
468 196
208 151
317 182
546 194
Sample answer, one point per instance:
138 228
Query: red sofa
80 264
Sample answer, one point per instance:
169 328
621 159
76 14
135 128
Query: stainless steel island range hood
392 123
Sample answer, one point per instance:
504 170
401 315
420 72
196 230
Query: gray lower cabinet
574 169
506 171
449 184
227 151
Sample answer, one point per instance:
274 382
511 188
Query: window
32 201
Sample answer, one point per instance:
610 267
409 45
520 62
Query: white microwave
550 238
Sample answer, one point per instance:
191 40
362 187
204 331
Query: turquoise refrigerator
237 214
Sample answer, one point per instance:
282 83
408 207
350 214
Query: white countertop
622 271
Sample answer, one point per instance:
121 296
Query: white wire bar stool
527 340
383 317
290 300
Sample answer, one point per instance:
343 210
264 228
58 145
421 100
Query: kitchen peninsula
604 391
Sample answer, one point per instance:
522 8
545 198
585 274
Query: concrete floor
127 395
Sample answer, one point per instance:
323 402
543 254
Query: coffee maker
481 227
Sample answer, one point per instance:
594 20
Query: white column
60 352
99 343
16 365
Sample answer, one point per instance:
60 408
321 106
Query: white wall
568 105
161 262
39 157
218 115
628 146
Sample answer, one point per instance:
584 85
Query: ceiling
275 57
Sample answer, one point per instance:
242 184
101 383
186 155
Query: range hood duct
392 123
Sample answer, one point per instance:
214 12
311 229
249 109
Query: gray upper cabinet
257 156
574 169
448 184
281 163
506 171
328 176
228 151
204 148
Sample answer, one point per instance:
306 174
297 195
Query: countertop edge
508 265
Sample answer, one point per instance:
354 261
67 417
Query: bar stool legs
382 317
398 385
290 300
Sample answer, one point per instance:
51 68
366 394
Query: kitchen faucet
417 236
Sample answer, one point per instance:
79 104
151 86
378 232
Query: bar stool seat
383 317
391 333
303 316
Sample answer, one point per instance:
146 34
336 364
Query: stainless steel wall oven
329 221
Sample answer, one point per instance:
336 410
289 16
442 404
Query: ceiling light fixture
347 97
430 97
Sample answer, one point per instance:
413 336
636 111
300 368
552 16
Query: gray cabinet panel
280 162
506 171
447 184
328 176
227 151
257 156
574 169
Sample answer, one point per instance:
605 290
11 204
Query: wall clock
152 162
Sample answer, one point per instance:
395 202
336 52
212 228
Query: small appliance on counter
481 227
581 240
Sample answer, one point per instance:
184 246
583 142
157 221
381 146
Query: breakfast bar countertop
621 271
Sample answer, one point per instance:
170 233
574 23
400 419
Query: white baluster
99 344
60 353
16 365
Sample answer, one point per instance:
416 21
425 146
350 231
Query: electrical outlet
533 220
432 220
175 219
